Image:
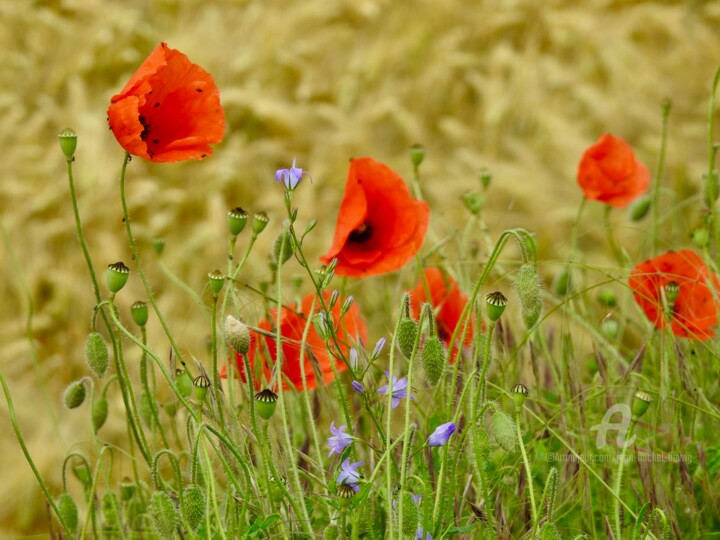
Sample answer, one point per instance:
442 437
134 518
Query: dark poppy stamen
362 234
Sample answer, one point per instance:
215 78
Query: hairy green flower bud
237 219
529 290
97 355
282 248
474 202
111 510
184 383
266 401
549 531
217 280
99 413
561 282
139 313
237 334
74 395
68 142
434 359
127 489
260 221
411 515
503 429
496 303
417 155
68 511
163 515
407 332
640 207
331 532
193 506
607 297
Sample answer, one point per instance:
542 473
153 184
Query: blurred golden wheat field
520 87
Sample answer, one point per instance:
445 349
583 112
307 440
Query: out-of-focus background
520 87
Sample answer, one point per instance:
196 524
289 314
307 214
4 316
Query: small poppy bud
68 142
407 332
237 219
139 313
237 335
609 328
283 248
184 383
110 509
561 282
496 303
159 246
607 297
640 403
68 511
82 473
201 384
503 429
193 506
266 403
433 359
148 409
96 354
345 493
411 516
117 276
519 395
170 409
672 290
346 305
260 221
127 489
74 395
217 280
640 207
163 515
701 237
417 155
485 178
474 202
99 413
529 290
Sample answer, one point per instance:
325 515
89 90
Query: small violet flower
421 534
339 440
399 390
358 387
349 475
441 434
353 358
378 348
291 177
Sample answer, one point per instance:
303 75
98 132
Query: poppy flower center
362 234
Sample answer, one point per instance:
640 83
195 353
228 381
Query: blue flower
399 390
339 440
291 177
358 387
441 434
349 475
421 534
378 348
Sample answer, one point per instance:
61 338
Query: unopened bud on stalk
504 431
407 332
184 383
496 303
640 207
485 178
68 142
411 516
193 506
609 328
74 395
217 280
139 313
163 515
127 489
561 282
701 237
159 246
334 296
433 359
346 305
266 401
282 248
110 509
323 326
99 413
345 493
417 155
519 395
68 511
607 297
529 290
97 355
117 276
237 334
474 202
310 226
237 219
201 384
260 221
640 404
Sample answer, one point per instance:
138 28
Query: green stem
657 180
528 471
486 364
618 484
712 153
216 372
614 246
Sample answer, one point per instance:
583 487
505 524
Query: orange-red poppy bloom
379 226
169 110
610 173
695 309
350 329
448 302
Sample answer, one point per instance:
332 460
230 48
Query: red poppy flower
695 308
169 110
448 302
379 226
317 360
610 173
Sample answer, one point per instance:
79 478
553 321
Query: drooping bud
561 282
74 395
640 207
97 355
117 276
127 489
417 155
496 303
237 219
474 202
217 280
111 510
283 248
68 142
266 401
260 221
99 413
503 429
68 511
193 506
529 290
672 290
640 404
201 384
607 297
519 395
433 359
163 515
237 334
139 313
184 383
609 328
407 332
411 516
